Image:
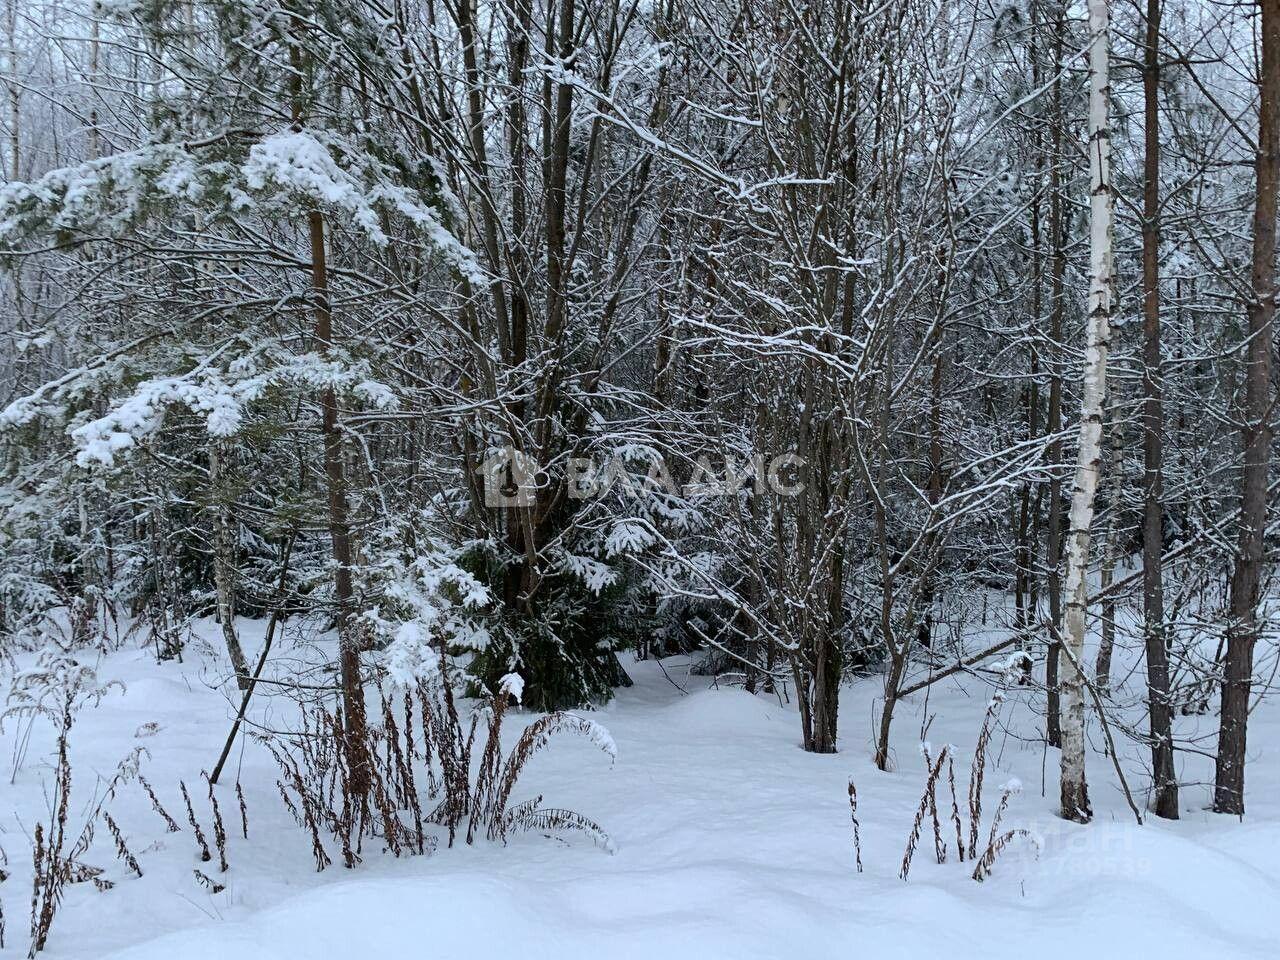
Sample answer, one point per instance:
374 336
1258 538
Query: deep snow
731 842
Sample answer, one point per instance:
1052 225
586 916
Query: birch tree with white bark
1101 305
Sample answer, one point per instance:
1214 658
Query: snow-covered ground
731 841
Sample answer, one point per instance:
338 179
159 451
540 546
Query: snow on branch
113 194
220 397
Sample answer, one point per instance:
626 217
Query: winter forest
690 478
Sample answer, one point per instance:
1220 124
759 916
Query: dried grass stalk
955 808
170 824
205 855
244 811
930 786
219 831
122 849
978 769
939 845
853 815
983 869
213 886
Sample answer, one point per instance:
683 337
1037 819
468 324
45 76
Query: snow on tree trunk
1053 426
1160 707
1075 791
1246 579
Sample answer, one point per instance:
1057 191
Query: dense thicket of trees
286 278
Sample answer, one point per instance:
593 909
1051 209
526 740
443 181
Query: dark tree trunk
924 633
826 697
830 666
224 571
353 711
1242 631
354 732
1058 268
1160 710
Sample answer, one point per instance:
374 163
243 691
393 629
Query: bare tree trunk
1246 580
224 571
1058 269
353 708
898 649
924 636
830 666
1075 792
95 137
353 711
1107 644
15 144
1160 710
15 91
892 683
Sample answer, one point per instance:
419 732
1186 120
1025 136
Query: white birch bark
1075 794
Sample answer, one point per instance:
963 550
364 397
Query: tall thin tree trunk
1033 494
354 731
224 571
95 136
826 681
924 635
1160 709
898 649
1057 307
1075 791
1246 580
892 684
14 170
353 710
15 91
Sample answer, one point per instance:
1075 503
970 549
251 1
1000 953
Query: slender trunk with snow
1075 792
1246 579
14 167
354 729
15 91
224 570
95 136
1160 709
353 707
1053 415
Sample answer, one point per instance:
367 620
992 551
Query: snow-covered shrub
49 588
423 587
595 593
566 646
